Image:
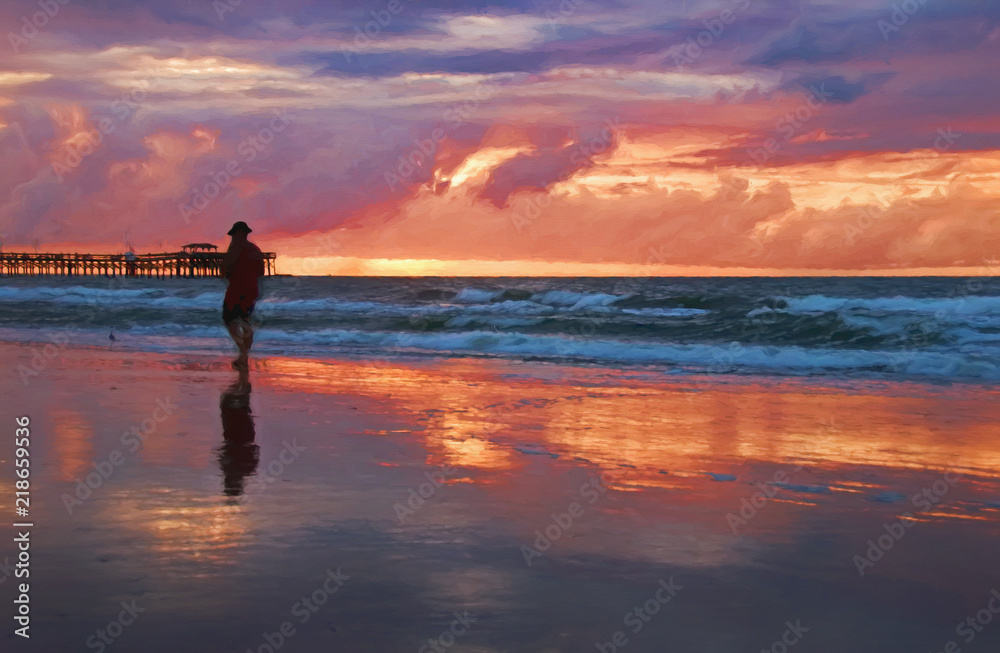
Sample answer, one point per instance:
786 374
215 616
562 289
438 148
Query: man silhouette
243 264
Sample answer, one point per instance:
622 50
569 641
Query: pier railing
179 264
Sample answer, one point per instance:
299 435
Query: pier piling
184 264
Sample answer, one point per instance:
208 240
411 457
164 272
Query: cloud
838 89
522 98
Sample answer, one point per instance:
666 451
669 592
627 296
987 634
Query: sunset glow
598 140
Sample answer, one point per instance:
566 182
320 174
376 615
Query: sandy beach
500 506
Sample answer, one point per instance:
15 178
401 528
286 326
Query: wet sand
432 485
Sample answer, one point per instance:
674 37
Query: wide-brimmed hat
239 226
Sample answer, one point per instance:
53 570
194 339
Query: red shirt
243 274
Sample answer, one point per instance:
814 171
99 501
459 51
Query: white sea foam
693 357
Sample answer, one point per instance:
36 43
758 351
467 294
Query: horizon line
383 267
354 266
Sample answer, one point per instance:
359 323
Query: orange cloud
652 201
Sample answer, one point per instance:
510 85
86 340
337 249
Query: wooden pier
189 263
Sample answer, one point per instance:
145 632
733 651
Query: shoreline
399 378
660 373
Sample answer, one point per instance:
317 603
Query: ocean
935 329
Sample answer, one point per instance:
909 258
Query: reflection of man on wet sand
243 265
238 455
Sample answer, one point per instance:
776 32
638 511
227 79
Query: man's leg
242 334
247 330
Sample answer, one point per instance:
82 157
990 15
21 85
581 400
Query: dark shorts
237 312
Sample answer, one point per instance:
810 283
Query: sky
530 137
